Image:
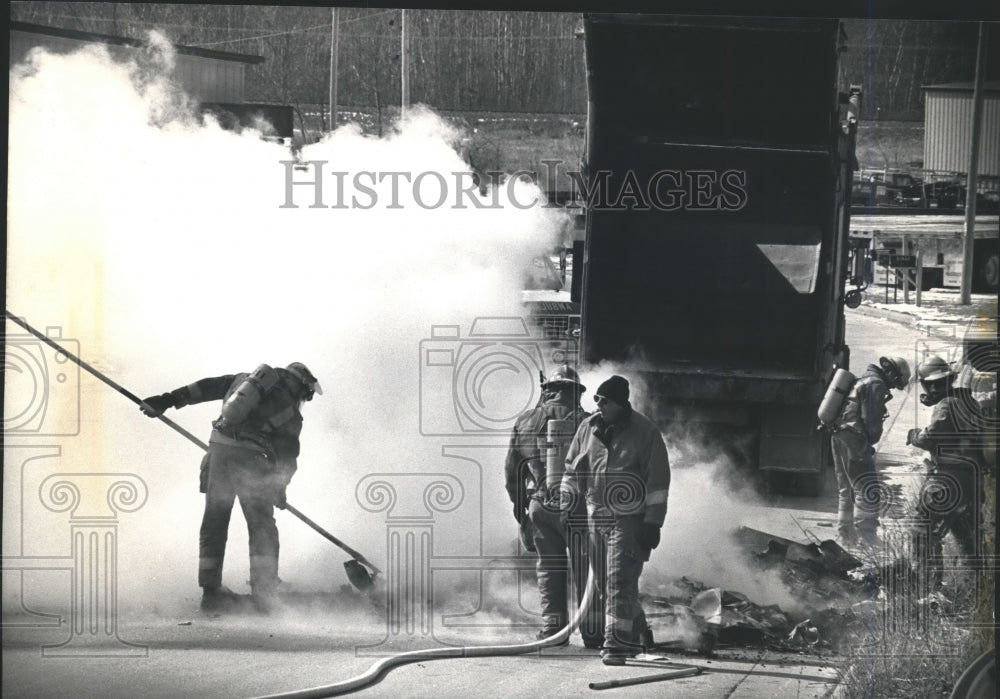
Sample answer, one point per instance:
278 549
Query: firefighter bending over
856 431
618 460
251 456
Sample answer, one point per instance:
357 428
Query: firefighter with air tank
955 440
533 472
854 410
251 456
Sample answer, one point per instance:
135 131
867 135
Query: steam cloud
158 243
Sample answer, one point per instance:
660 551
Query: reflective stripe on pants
234 472
613 542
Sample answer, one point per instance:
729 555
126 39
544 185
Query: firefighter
251 456
856 431
618 462
953 490
537 505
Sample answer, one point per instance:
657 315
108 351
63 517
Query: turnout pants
858 492
618 561
559 552
235 472
949 502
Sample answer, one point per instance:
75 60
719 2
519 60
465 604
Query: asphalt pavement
187 653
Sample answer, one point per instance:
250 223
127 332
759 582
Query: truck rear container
718 177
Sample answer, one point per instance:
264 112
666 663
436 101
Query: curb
936 326
886 314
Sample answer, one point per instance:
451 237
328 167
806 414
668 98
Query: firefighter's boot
264 583
220 600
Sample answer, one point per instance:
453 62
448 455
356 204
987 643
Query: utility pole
334 60
404 66
968 242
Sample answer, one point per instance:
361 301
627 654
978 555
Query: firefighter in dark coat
856 431
953 490
535 495
252 456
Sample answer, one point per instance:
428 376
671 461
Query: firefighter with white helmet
251 456
856 431
534 492
955 441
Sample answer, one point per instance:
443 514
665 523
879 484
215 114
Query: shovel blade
358 575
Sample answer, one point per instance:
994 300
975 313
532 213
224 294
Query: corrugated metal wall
205 79
211 79
948 131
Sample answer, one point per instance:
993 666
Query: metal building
948 128
205 75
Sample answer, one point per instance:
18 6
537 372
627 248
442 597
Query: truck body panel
717 218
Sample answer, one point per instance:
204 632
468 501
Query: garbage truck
716 185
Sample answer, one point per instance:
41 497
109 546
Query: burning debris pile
837 593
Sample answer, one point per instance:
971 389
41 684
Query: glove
155 405
520 512
648 536
911 436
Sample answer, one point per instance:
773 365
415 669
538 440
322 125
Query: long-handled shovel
356 572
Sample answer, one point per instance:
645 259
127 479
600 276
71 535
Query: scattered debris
804 633
839 593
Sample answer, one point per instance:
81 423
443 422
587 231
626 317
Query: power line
304 30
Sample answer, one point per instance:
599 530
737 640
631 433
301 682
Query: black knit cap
614 389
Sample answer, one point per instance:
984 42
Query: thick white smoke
162 247
165 252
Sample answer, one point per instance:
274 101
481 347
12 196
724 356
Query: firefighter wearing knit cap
618 463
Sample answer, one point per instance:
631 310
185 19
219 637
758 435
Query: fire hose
378 669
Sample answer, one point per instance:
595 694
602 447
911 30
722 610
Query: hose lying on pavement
376 671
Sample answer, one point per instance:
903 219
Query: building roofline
30 28
988 85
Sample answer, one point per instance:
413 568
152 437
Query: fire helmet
302 373
563 374
897 371
933 368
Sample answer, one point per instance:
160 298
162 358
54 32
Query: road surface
160 652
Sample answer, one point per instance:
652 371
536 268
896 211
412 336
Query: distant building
205 75
948 128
